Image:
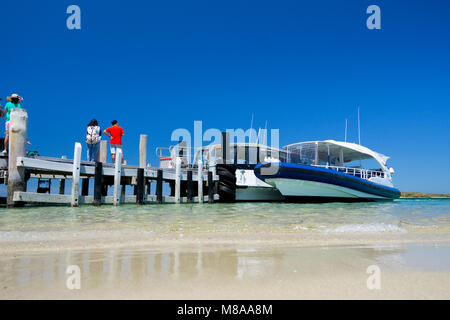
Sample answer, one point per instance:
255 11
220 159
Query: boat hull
250 188
302 183
258 194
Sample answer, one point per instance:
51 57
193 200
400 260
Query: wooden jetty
187 182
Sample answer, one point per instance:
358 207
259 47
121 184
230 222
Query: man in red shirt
115 133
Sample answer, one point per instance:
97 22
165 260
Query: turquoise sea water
52 223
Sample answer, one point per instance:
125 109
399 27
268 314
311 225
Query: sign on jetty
186 182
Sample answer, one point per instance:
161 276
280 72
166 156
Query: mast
359 129
359 137
345 130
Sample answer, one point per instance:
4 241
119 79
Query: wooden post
200 181
123 190
257 154
143 151
247 154
85 187
183 152
210 187
104 190
177 179
103 150
104 159
117 174
316 157
140 188
76 174
62 182
17 148
62 186
189 186
98 184
159 182
225 147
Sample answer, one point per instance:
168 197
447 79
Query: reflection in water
98 268
123 266
131 268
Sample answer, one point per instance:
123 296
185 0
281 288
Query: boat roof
352 151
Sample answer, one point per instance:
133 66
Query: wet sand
228 251
230 271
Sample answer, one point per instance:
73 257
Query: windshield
327 154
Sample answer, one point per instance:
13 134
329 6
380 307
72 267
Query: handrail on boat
357 172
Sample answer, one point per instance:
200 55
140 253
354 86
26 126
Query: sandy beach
181 269
196 253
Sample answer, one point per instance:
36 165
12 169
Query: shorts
6 126
115 147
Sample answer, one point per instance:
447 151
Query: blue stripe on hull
304 199
310 173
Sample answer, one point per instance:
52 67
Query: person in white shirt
93 137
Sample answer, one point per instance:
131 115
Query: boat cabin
340 156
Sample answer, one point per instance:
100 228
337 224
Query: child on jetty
115 133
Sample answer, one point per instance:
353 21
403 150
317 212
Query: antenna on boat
359 137
359 129
345 130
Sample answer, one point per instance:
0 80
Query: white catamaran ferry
326 171
314 171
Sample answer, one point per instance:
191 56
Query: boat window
365 164
304 153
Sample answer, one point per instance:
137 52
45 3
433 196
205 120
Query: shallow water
53 223
248 250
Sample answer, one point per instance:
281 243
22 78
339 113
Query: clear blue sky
304 66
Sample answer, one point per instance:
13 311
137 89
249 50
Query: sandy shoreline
231 267
237 251
172 240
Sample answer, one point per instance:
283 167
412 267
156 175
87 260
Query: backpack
92 136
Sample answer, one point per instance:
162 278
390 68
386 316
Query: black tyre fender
226 174
227 183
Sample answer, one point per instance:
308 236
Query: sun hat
14 95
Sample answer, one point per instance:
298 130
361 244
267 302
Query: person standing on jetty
93 137
2 140
115 133
13 103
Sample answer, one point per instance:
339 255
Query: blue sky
304 66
